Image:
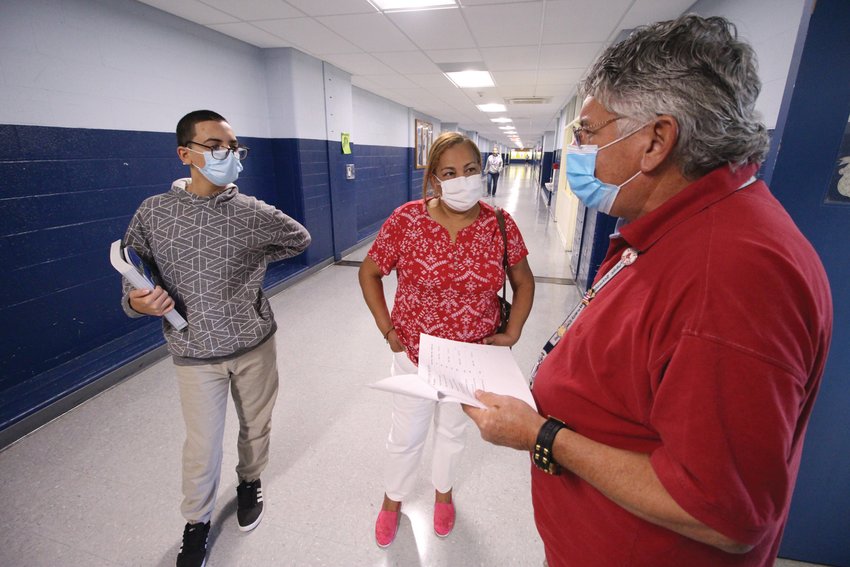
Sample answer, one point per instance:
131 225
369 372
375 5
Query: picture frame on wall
424 137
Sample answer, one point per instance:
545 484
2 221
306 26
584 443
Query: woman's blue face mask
581 175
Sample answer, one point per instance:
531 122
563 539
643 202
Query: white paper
452 371
139 280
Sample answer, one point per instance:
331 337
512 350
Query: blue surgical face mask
220 172
581 175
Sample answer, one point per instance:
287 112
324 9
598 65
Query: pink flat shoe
386 527
444 518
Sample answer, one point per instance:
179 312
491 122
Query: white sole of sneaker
256 522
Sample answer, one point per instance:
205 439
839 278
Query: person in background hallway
447 252
678 400
493 168
209 246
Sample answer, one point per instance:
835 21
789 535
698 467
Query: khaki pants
253 381
412 418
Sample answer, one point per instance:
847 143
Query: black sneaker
249 504
193 552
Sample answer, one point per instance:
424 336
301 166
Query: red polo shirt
706 354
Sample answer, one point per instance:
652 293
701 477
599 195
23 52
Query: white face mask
461 193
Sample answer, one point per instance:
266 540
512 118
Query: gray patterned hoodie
210 254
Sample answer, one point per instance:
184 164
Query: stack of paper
451 371
127 262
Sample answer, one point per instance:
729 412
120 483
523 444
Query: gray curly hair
696 70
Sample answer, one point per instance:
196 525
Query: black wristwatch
542 455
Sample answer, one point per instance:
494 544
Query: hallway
100 486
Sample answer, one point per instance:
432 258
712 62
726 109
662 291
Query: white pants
253 381
411 420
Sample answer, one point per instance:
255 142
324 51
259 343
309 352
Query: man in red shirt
681 387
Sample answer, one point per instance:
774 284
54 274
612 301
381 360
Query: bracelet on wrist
387 334
543 456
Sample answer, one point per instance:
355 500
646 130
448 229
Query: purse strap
501 220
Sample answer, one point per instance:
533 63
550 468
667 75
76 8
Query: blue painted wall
68 193
382 184
802 178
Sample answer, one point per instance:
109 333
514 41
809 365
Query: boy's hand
155 301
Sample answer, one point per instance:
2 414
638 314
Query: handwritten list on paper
450 368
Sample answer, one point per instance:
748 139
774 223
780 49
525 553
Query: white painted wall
295 83
770 27
378 121
122 65
338 101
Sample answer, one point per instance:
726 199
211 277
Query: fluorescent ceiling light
492 107
501 119
507 128
471 79
410 5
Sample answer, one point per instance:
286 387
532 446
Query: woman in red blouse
447 251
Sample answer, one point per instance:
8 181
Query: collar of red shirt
699 195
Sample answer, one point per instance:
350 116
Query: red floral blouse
445 289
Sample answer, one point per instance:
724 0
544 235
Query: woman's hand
500 339
395 344
507 421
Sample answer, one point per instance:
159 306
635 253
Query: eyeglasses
221 152
580 131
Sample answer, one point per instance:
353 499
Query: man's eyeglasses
580 132
221 152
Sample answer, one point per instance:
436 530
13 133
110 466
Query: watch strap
542 455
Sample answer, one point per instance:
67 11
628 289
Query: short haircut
443 142
697 71
186 126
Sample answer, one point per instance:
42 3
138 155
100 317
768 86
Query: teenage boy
208 246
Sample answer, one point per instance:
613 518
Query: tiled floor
100 486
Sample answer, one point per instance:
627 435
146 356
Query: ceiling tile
408 62
453 55
333 7
192 10
576 55
358 63
478 2
645 12
583 20
369 32
391 81
560 76
513 78
308 35
510 58
250 34
430 80
505 24
554 91
247 10
435 29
